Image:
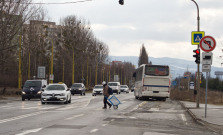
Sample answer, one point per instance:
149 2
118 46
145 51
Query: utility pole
29 68
20 63
63 72
51 81
198 65
73 68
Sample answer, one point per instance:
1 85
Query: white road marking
132 117
75 116
30 131
21 117
184 118
93 130
154 109
26 108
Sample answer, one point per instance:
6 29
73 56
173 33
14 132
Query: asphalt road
85 116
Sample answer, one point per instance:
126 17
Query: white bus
152 81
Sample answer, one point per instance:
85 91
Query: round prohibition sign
207 43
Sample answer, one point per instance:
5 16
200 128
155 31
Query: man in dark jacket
106 95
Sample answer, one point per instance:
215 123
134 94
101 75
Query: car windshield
112 84
76 85
55 87
123 86
32 84
98 87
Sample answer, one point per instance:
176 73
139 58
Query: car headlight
23 92
39 92
44 94
62 94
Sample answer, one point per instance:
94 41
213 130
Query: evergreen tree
143 56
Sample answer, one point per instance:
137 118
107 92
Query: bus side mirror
134 74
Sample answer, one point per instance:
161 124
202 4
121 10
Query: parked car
33 89
78 88
97 90
115 87
124 88
57 92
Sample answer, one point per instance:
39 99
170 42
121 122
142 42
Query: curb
210 126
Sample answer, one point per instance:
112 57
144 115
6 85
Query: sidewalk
214 119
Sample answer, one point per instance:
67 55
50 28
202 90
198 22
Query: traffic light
197 55
121 2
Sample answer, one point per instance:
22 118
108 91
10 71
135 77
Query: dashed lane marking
93 130
21 116
30 131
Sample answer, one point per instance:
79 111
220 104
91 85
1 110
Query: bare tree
13 14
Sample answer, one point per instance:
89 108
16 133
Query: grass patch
213 97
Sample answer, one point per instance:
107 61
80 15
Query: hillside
177 66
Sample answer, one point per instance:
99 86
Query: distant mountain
177 66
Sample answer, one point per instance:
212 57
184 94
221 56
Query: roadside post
207 44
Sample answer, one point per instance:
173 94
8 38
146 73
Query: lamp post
198 65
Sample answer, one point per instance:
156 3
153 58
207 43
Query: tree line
78 56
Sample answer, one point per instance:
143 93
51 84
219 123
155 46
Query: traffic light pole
198 65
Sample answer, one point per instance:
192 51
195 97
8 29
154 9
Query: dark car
78 88
33 89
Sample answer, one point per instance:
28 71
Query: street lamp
198 65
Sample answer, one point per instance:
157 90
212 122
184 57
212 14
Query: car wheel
43 103
23 99
81 93
84 93
69 100
66 101
28 98
72 94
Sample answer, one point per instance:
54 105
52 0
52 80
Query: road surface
85 116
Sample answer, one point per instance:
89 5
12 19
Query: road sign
196 37
51 77
207 58
41 72
207 43
206 68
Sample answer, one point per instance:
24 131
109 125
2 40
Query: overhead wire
48 3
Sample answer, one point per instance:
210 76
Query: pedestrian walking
106 95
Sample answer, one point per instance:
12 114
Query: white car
97 90
124 88
57 92
115 87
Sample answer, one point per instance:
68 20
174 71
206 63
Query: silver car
97 90
124 88
57 92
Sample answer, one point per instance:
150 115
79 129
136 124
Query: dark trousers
106 102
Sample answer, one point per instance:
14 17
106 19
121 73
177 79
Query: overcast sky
163 26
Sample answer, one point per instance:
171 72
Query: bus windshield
157 70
